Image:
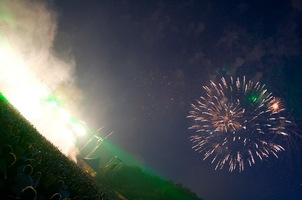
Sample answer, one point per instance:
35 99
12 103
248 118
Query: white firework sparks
236 122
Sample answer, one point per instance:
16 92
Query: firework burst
238 122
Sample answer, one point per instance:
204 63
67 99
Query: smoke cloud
32 77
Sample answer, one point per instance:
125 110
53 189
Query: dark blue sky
141 63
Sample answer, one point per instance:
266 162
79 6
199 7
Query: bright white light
79 129
30 73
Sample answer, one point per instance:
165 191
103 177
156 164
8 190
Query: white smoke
30 73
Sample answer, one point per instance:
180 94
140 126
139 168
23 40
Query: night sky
140 64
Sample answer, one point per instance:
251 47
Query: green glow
6 15
106 149
126 157
106 146
54 101
2 98
252 98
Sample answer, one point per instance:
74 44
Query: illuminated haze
31 73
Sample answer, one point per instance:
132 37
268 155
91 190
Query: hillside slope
114 180
27 144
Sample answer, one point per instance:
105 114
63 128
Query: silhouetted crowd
32 168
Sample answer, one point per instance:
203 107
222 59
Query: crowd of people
33 168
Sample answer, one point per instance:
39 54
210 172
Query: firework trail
237 122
